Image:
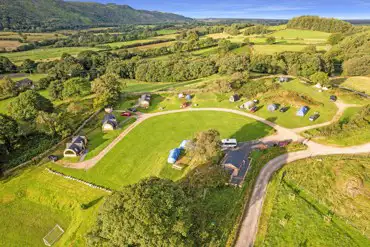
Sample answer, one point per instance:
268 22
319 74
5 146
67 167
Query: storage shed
234 98
174 155
302 111
248 105
272 107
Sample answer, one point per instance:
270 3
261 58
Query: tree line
317 23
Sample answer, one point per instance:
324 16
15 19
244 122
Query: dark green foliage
153 212
8 131
231 63
107 89
357 66
258 29
75 87
44 83
7 87
232 30
54 124
252 88
224 45
28 104
352 46
317 23
6 66
55 89
270 40
320 77
28 66
39 15
335 38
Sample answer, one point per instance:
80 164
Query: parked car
314 116
284 109
284 143
133 109
333 98
53 158
253 109
256 101
126 114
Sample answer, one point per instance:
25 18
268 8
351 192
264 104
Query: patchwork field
9 45
33 202
320 201
45 54
301 34
144 151
152 46
271 49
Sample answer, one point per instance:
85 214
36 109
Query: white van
229 143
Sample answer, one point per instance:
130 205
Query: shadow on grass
252 131
91 203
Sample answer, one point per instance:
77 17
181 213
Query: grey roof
77 145
24 83
110 119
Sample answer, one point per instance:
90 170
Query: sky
268 9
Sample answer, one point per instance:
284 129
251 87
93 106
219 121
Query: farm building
234 98
24 84
144 100
272 107
283 79
247 105
109 122
76 147
174 155
302 111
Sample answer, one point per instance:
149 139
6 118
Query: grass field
320 201
271 49
343 138
358 83
31 36
9 45
34 201
45 54
166 31
301 34
144 151
152 46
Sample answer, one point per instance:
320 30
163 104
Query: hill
47 15
317 23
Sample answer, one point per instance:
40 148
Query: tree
224 45
28 104
270 40
6 66
357 66
320 77
7 87
55 89
28 66
335 38
8 131
107 89
54 124
153 212
76 87
205 147
310 49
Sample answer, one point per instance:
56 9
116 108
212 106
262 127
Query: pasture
33 201
271 49
9 45
144 151
318 202
45 54
358 83
301 34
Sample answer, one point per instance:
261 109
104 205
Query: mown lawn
45 54
144 151
318 202
34 201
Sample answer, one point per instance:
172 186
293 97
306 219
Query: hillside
57 14
317 23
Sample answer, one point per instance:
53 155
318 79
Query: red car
126 114
254 109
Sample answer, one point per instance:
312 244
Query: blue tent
183 144
188 97
302 111
174 155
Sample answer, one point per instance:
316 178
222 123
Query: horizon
233 9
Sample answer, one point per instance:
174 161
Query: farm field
31 37
319 201
358 83
301 34
167 31
271 49
9 45
143 152
33 202
46 54
152 46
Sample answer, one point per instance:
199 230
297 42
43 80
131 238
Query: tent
234 98
248 105
183 144
173 156
302 111
188 97
272 107
181 95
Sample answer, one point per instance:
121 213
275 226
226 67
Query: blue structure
188 97
183 144
302 111
174 155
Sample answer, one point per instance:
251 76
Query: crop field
152 46
167 31
45 54
318 202
33 202
358 83
271 49
31 37
131 42
9 45
144 151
